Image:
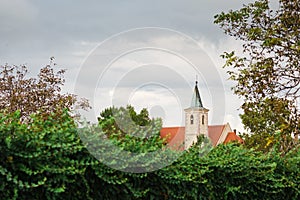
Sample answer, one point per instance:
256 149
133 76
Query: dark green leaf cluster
43 159
47 160
131 131
120 121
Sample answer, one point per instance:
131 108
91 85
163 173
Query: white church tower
196 119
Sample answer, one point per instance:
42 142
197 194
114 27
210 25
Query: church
196 123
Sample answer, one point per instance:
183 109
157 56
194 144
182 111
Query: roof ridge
173 127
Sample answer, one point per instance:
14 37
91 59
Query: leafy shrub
47 160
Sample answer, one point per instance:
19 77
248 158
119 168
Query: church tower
196 119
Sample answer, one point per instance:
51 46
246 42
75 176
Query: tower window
192 119
202 119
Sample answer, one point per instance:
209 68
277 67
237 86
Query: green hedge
46 160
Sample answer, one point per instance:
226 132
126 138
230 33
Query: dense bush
43 159
46 160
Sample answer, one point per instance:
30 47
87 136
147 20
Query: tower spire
196 100
196 119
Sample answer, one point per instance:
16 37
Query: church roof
196 100
231 136
175 135
215 132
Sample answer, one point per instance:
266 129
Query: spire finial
196 79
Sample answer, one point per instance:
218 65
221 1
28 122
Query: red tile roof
231 136
175 135
215 132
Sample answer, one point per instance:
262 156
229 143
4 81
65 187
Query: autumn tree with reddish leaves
35 95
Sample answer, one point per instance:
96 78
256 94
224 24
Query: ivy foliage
47 160
41 159
128 141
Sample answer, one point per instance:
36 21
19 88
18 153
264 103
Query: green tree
123 120
267 74
128 141
133 131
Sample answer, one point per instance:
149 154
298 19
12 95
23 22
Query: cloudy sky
144 53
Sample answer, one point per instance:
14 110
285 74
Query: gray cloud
33 31
36 30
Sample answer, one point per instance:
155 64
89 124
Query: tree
120 121
132 131
32 95
267 75
128 141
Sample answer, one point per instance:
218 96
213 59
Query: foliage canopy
35 95
46 160
267 74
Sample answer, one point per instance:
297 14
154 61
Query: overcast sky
146 53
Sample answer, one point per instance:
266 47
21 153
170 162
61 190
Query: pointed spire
196 100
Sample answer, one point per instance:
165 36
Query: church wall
224 134
197 127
